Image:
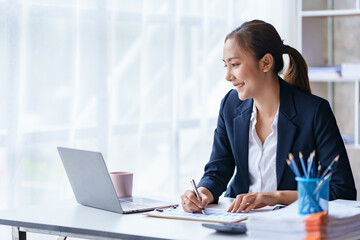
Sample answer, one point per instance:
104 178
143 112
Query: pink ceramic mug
123 182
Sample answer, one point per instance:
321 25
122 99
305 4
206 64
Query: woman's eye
234 65
225 66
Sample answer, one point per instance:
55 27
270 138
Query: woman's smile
238 86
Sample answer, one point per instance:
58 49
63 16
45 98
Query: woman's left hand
248 201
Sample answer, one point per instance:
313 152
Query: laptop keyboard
130 205
138 200
136 203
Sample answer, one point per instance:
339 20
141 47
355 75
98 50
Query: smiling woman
263 120
137 80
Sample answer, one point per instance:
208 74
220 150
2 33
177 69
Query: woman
264 119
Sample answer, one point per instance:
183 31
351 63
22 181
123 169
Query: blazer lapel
241 141
286 128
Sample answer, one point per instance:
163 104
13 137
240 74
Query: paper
342 222
212 215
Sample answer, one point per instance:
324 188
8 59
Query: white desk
69 219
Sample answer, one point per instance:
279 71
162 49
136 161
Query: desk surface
70 217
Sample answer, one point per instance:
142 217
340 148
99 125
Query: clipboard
212 215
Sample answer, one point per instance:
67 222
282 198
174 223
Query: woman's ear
266 62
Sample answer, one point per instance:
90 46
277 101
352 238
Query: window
140 81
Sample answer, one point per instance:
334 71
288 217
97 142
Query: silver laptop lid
90 179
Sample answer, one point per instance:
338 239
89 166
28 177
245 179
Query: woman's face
243 70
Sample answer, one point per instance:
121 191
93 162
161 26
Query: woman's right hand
190 203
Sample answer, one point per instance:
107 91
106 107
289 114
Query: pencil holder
313 194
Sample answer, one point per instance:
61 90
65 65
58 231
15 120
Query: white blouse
262 158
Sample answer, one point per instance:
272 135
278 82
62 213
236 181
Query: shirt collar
276 118
253 117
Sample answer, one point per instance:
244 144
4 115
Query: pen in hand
197 194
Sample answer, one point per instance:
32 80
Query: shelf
333 79
322 43
329 13
352 146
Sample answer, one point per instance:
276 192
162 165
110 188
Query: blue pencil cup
313 194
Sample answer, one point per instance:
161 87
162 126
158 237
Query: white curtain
141 81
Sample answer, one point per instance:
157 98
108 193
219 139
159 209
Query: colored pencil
303 165
311 165
293 167
336 159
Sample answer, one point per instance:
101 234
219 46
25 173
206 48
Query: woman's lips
239 85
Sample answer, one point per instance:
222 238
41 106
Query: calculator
237 227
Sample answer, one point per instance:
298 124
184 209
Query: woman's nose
228 75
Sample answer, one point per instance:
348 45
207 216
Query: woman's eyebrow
231 58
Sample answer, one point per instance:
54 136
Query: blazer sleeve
329 144
220 168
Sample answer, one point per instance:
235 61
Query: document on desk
212 215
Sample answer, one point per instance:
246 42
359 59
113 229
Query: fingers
205 200
243 203
206 196
247 202
236 203
190 203
250 207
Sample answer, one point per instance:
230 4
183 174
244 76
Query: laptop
92 185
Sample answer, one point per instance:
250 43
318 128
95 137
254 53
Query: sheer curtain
141 81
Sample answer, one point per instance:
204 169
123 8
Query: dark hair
260 38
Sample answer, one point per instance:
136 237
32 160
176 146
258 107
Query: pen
336 159
197 194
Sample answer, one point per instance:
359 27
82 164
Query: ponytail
296 73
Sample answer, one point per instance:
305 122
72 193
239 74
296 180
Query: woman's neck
268 101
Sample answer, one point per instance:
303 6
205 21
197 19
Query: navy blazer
306 123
